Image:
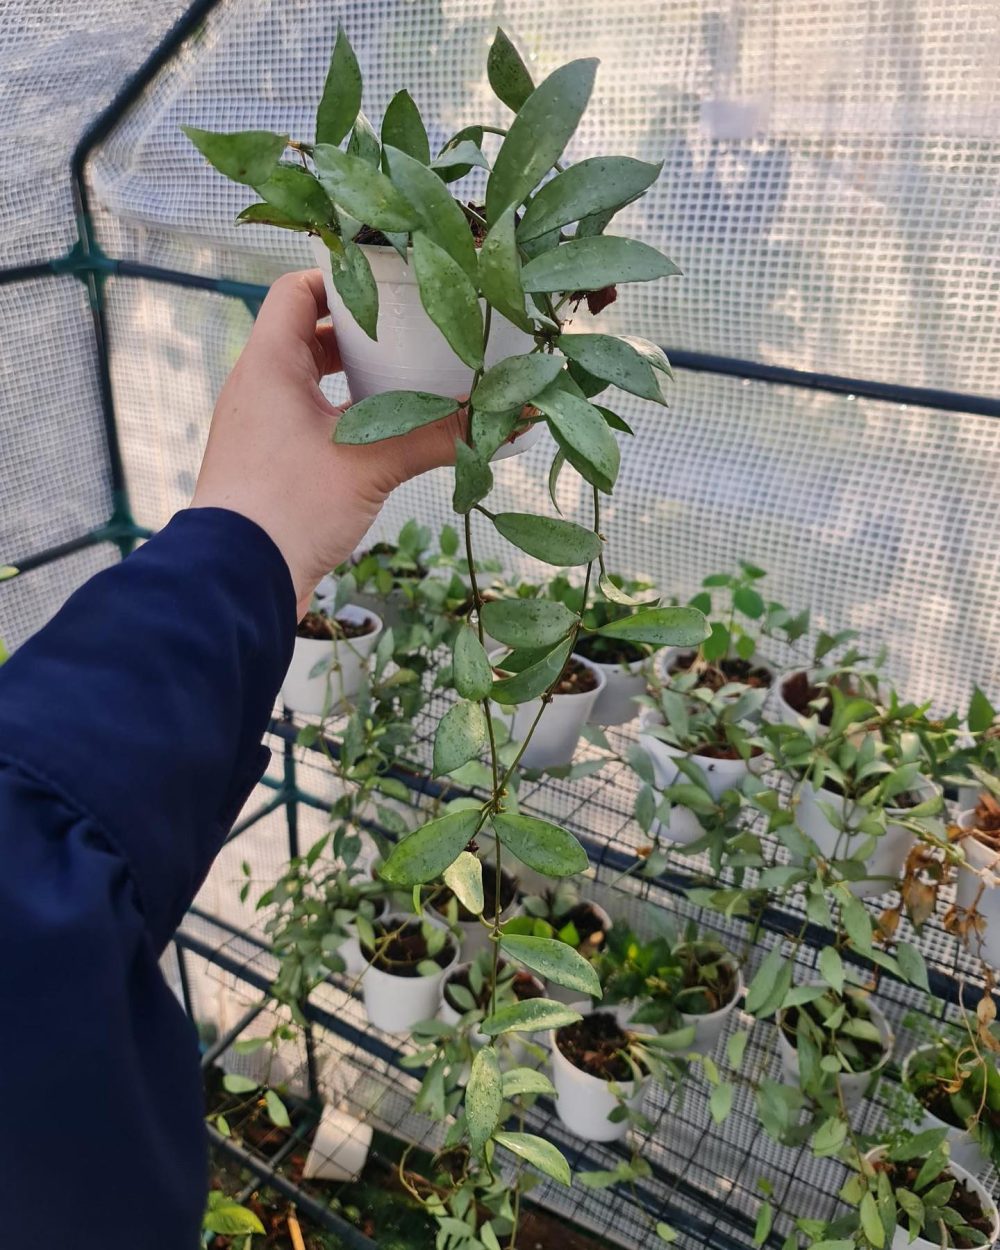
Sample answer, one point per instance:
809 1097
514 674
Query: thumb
431 446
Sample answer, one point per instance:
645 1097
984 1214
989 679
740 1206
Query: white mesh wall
829 189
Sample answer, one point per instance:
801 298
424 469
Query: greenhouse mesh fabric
830 190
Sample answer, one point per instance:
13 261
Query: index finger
288 318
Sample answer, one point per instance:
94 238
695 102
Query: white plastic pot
339 1149
987 899
965 1150
584 1102
395 1004
720 776
667 655
350 949
623 684
901 1236
853 1085
885 864
411 353
708 1028
553 743
779 710
304 693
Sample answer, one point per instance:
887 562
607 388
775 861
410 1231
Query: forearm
144 700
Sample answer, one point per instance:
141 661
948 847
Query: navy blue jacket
130 736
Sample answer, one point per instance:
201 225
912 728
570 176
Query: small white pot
781 711
554 741
965 1150
853 1085
901 1236
395 1004
709 1028
667 655
623 684
720 775
350 949
584 1102
411 353
304 693
967 889
885 863
339 1149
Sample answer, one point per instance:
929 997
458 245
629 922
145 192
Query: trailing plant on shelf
527 274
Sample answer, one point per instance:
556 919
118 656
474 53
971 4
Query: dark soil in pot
589 924
609 650
406 948
524 984
716 989
964 1200
576 678
799 692
595 1045
715 676
927 1085
509 885
319 626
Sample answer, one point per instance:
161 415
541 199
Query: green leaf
857 923
544 124
465 880
749 602
528 1017
554 960
655 356
473 477
582 435
762 1227
500 272
507 73
547 848
721 1102
483 1098
428 851
355 283
515 381
615 360
470 669
660 627
871 1221
528 622
439 215
538 1153
589 264
981 714
248 156
295 192
461 736
389 414
233 1083
525 1081
665 1232
490 430
831 968
457 160
829 1137
766 980
363 191
364 141
535 679
267 215
912 966
597 184
449 299
736 1048
276 1110
228 1219
402 128
562 543
341 98
556 467
615 594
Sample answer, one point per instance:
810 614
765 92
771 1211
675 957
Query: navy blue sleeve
130 736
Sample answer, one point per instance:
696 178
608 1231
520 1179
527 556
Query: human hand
270 455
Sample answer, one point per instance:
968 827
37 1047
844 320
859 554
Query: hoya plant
528 250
